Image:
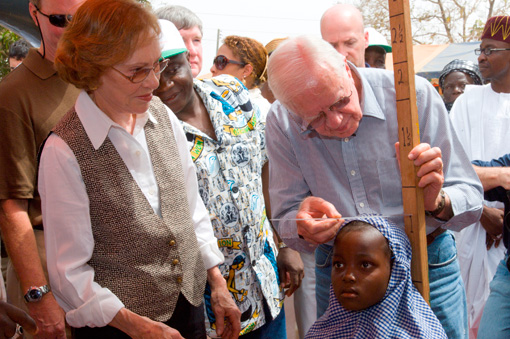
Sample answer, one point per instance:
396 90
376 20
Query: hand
291 269
318 231
492 222
430 172
136 326
10 316
228 315
49 317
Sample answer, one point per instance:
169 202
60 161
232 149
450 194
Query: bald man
342 27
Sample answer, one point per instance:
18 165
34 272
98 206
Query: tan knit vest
143 259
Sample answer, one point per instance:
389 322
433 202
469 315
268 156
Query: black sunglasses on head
222 61
57 20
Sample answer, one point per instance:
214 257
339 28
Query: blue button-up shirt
360 174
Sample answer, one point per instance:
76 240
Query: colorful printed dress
229 178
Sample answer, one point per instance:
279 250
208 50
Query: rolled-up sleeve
461 182
69 239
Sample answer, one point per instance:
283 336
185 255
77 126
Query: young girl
372 294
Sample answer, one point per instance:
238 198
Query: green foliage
6 39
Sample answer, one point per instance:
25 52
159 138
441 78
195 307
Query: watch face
35 294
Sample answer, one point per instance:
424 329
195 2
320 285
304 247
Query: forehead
456 76
365 240
60 6
147 54
190 33
341 28
226 51
494 43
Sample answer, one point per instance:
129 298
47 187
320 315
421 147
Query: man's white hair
303 66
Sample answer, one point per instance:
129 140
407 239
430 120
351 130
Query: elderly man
32 100
342 27
190 28
480 117
331 144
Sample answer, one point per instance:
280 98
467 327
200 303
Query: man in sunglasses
32 100
480 118
332 140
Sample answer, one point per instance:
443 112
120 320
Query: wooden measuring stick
409 136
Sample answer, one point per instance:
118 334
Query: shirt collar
97 124
42 68
368 101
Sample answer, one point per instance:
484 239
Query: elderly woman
246 59
226 139
129 242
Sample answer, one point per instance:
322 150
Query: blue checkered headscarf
402 313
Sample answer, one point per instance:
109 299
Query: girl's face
361 268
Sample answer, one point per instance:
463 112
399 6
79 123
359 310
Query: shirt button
179 280
175 261
353 172
138 153
172 242
151 191
346 139
361 204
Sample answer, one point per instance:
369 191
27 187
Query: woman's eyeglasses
222 61
57 20
142 74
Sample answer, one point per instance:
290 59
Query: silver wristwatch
35 293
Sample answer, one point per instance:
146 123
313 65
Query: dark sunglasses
222 61
57 20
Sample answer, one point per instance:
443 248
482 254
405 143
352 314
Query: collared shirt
33 99
360 174
229 179
65 203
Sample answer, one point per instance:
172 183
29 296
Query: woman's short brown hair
103 33
249 51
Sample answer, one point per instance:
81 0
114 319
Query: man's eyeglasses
57 20
321 118
222 61
142 74
489 51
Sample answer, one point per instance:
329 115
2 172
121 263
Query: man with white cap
375 53
226 140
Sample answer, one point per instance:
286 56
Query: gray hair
303 65
181 17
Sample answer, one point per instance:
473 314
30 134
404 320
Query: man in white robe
481 118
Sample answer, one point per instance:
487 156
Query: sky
263 20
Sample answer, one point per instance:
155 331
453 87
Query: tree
6 39
437 21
